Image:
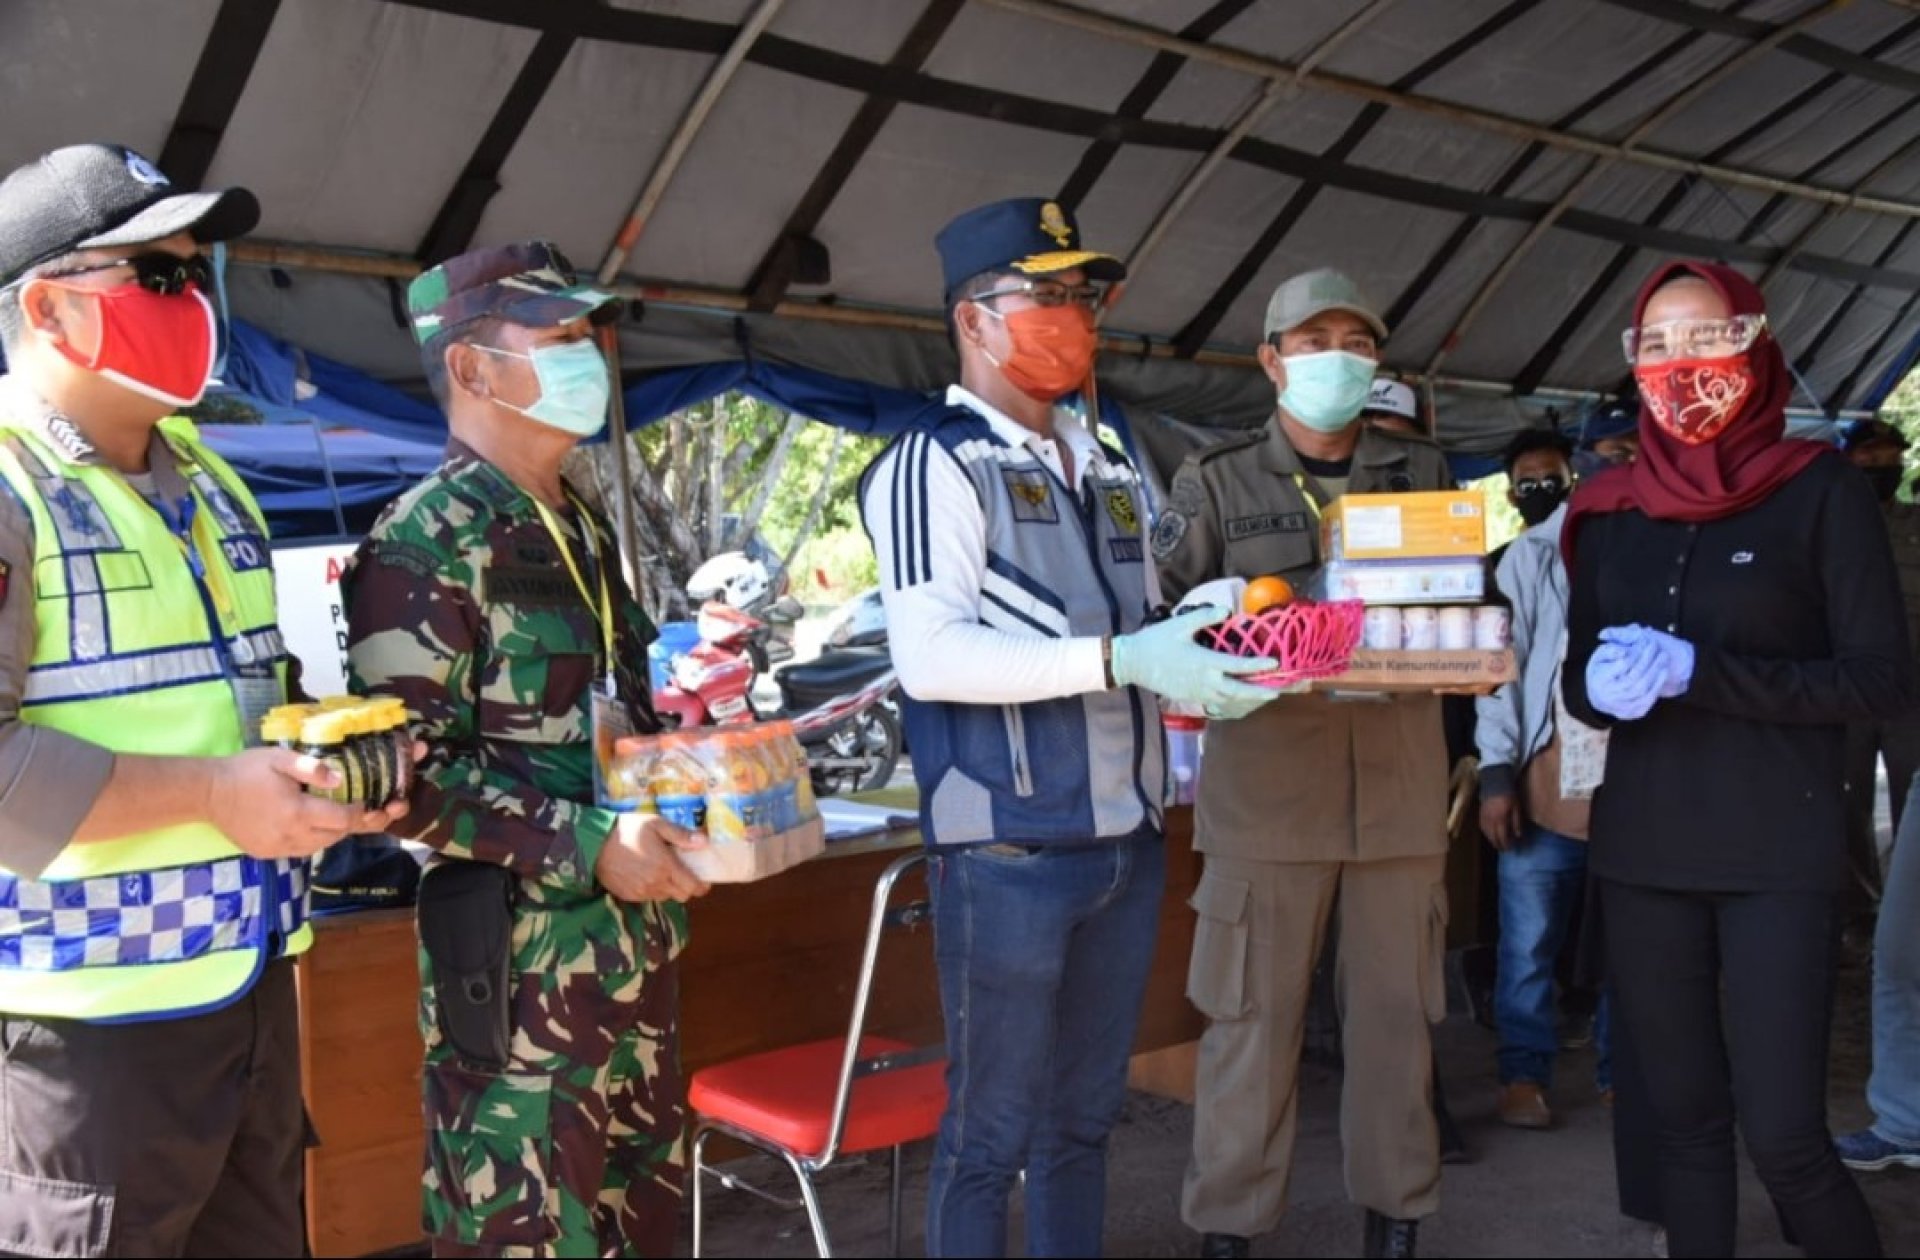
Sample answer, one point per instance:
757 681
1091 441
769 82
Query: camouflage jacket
460 603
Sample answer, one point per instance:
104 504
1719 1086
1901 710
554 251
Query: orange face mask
1052 349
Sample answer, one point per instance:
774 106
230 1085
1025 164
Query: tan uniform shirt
49 780
1307 778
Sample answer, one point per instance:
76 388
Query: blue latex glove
1676 655
1164 659
1623 681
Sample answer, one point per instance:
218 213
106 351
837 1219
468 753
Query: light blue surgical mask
1326 391
574 390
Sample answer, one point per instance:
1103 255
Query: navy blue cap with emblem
1030 235
97 196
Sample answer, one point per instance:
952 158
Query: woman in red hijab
1733 605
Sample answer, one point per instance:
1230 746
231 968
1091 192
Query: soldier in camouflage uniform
479 599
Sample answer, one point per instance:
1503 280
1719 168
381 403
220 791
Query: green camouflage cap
1313 293
529 283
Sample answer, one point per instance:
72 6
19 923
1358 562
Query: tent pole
1510 261
683 136
1144 36
619 439
1275 91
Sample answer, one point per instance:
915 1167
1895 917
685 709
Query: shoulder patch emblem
1167 532
411 557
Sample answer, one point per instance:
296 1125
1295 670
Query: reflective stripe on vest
128 654
149 916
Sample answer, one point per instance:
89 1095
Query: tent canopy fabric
765 177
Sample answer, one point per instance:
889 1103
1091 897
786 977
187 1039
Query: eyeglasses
1692 339
1553 484
157 272
1051 293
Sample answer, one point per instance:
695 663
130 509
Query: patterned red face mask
1695 399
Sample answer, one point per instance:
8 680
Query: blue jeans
1893 1090
1043 962
1541 881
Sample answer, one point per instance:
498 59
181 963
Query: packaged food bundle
365 740
747 787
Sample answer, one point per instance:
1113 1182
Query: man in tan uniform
1311 797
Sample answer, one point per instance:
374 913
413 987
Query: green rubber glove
1165 660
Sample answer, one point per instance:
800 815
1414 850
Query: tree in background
1902 409
711 477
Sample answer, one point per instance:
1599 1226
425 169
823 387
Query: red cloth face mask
1052 349
156 345
1695 399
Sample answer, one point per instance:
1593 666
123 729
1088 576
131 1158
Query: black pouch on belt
466 926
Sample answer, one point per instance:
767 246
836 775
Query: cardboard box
1425 525
729 860
1421 671
1462 581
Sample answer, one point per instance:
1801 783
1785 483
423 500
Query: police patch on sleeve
1168 531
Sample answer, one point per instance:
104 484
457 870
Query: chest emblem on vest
77 508
1032 495
1120 508
1743 557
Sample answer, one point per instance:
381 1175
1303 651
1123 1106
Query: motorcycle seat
832 674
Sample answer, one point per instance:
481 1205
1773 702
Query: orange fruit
1266 592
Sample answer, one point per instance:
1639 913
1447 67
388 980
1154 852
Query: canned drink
1492 628
1419 629
1456 629
1380 630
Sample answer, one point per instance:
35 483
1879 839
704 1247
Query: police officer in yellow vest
152 866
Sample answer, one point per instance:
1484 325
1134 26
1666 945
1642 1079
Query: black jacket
1795 616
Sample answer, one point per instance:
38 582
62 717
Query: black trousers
179 1137
1726 999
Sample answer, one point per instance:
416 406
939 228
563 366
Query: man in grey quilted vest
1017 586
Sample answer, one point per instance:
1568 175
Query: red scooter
835 702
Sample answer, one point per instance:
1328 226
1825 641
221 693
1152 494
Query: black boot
1222 1247
1390 1238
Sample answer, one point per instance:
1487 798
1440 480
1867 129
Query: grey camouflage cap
529 283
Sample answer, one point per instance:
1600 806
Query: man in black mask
1535 763
1539 466
1878 450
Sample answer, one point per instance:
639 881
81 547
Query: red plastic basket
1309 640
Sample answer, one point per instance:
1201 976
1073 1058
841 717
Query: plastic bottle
393 719
679 782
323 736
281 725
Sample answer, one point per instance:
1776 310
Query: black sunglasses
1531 485
156 272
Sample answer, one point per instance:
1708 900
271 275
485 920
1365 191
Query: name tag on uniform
1242 527
1126 550
505 584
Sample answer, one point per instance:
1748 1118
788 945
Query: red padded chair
809 1104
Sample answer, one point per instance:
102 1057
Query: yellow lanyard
603 612
1313 504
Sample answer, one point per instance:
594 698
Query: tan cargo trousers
1260 928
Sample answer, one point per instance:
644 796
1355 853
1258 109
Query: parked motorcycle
753 584
837 703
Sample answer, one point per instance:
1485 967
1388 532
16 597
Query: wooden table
770 964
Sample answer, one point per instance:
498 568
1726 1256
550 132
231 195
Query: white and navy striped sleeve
929 537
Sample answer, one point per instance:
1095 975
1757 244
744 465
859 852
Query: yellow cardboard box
1422 525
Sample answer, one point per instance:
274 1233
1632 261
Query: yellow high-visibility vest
145 643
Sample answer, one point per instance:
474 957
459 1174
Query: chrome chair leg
699 1190
894 1195
812 1201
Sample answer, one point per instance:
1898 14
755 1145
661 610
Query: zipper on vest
1086 514
1017 747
